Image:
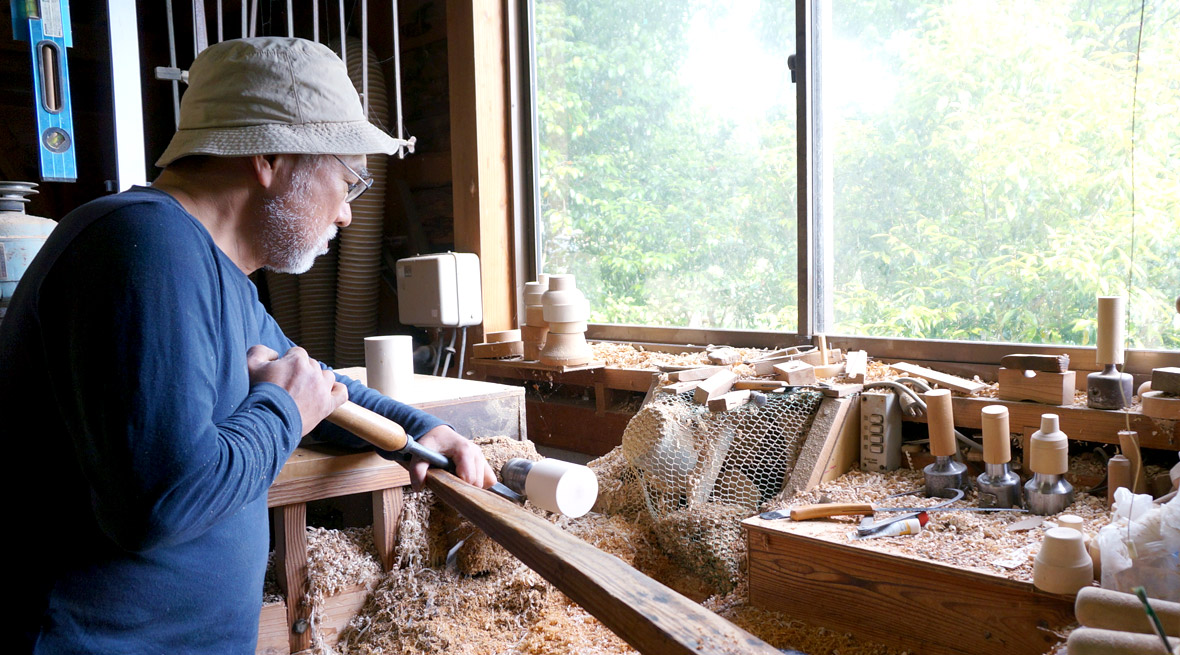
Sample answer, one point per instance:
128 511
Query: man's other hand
470 464
314 390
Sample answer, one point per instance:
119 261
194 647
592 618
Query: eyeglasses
355 189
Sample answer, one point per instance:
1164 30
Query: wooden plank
1045 363
846 452
476 70
759 385
643 612
941 379
272 630
701 373
496 350
627 379
1166 379
1037 386
320 460
290 523
729 401
363 481
680 387
1080 423
903 602
337 610
819 444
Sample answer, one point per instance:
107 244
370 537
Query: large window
971 164
667 158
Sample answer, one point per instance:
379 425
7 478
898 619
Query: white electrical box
880 432
440 290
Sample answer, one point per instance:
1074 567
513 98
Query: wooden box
807 571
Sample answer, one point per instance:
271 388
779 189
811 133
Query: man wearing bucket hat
143 376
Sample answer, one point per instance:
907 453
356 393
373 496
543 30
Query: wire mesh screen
698 473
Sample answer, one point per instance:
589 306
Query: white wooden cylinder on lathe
1111 329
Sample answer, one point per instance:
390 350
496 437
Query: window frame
813 257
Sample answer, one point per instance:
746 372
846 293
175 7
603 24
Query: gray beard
287 244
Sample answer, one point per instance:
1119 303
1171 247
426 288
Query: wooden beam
477 71
1079 423
643 612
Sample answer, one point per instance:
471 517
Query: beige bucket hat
272 95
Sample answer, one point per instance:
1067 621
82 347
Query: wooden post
387 509
290 523
477 70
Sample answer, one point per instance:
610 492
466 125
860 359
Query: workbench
592 413
808 571
319 471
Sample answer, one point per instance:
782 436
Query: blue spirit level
45 24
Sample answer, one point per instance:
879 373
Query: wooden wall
422 211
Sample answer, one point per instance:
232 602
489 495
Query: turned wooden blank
1118 474
1111 329
941 422
1129 443
1157 405
997 442
1049 448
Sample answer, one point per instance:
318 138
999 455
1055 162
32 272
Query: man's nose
344 218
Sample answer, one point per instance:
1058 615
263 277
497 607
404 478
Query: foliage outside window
977 184
667 159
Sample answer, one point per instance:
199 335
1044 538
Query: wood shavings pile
508 608
622 355
776 628
967 540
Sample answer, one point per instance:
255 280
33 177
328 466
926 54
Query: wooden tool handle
824 510
369 425
941 422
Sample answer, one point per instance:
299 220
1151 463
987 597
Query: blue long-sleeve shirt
141 524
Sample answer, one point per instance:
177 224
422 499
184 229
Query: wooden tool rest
318 472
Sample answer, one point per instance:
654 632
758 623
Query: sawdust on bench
482 600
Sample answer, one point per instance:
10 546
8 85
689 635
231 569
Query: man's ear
265 169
